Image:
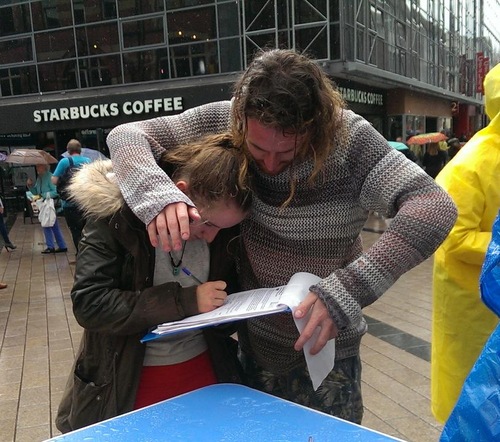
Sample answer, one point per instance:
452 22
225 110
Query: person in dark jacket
123 287
455 146
434 160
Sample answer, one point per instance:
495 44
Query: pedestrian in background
73 215
434 159
461 323
3 231
43 186
455 146
318 170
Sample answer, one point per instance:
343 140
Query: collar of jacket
131 232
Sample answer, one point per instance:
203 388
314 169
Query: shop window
415 124
445 123
396 127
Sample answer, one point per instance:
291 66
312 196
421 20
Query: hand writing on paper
210 295
319 318
171 226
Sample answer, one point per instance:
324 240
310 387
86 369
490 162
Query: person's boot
9 246
3 285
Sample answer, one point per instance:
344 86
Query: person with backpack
61 176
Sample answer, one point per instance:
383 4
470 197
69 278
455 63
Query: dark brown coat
113 299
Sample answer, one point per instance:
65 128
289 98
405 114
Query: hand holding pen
188 272
210 295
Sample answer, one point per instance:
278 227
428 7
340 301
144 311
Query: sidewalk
39 337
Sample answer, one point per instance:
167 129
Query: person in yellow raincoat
461 323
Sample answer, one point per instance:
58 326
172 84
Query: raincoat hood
492 93
94 189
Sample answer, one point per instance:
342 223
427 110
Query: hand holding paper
320 363
253 303
319 317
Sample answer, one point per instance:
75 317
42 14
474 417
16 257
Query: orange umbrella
431 137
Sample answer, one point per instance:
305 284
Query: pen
188 272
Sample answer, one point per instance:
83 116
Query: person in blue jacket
74 217
43 186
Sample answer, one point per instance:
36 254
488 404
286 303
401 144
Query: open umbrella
30 157
92 154
398 145
431 137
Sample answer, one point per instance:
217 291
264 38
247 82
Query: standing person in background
74 217
434 159
41 187
7 243
455 146
461 323
3 231
318 170
444 147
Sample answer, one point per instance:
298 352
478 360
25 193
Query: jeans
50 233
76 222
3 230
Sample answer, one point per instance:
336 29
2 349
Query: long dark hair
289 91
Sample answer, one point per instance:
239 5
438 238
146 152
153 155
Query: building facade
77 68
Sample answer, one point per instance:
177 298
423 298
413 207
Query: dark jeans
75 221
3 230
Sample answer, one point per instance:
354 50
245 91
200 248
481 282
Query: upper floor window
146 32
129 8
15 20
55 45
18 81
89 11
48 14
17 50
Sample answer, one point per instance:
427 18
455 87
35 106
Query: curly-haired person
318 170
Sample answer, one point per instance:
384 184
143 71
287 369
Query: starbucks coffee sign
104 110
